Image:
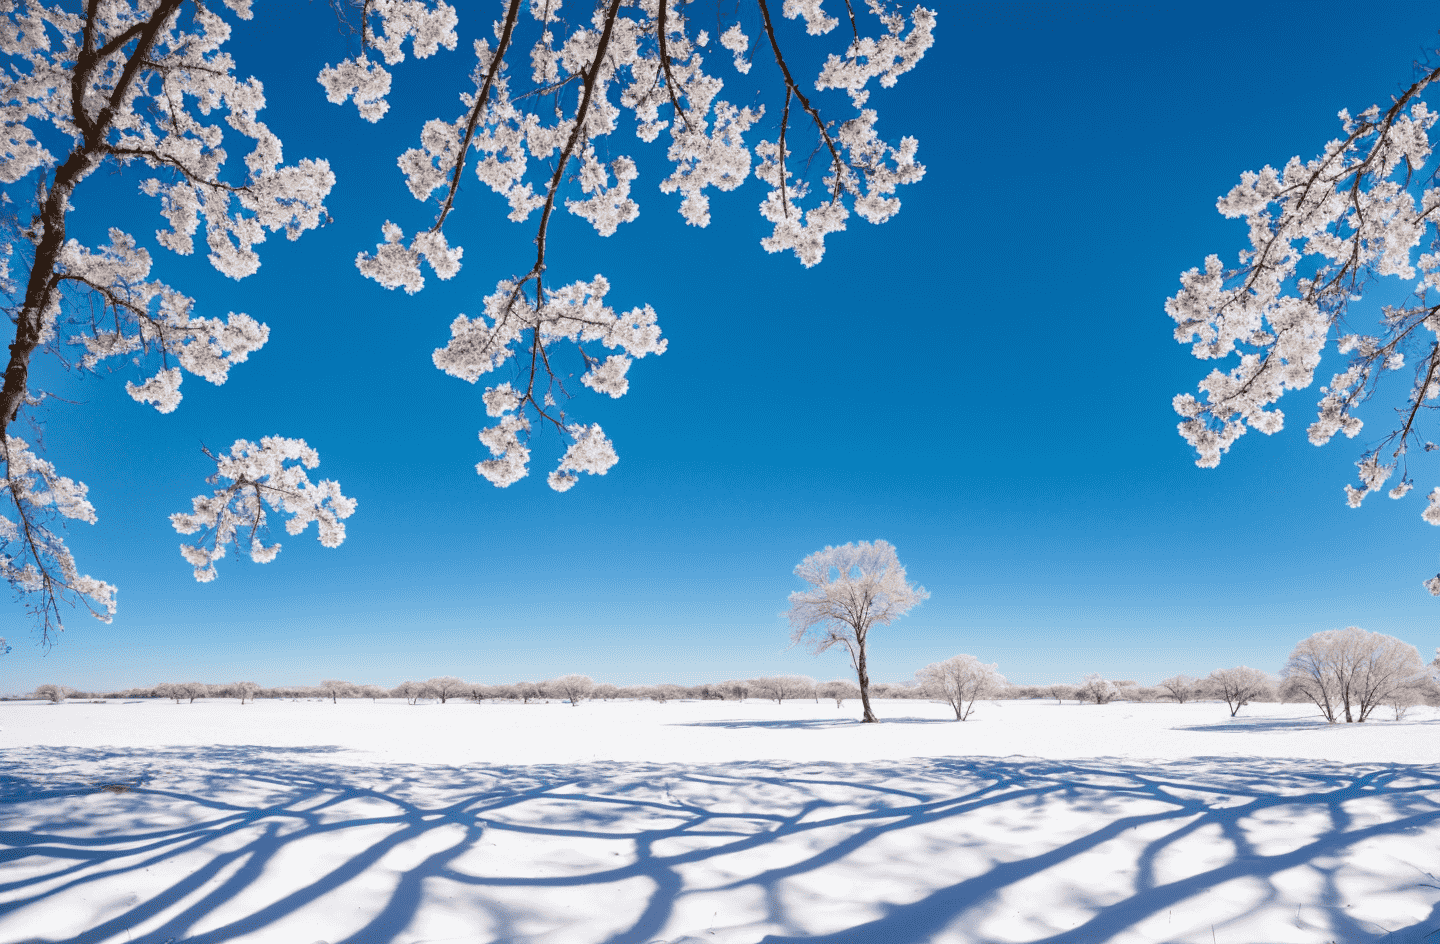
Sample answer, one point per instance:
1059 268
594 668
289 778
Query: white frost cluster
387 25
129 85
576 314
1319 232
395 265
542 100
257 478
151 317
29 557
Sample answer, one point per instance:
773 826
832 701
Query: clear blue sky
985 382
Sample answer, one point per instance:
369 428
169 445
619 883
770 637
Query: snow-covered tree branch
123 84
1324 234
539 128
146 90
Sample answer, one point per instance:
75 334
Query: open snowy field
298 822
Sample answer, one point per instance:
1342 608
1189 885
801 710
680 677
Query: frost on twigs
512 326
536 124
1321 233
253 478
125 87
33 558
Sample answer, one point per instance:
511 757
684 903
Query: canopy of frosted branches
851 588
1322 233
146 89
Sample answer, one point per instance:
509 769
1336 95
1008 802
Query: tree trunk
864 678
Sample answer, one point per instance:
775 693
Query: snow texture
548 824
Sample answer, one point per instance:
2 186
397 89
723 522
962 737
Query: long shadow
804 723
205 841
1251 726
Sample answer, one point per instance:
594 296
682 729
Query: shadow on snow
222 816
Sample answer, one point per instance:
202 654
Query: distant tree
1096 689
54 694
372 692
1238 687
446 687
853 588
736 689
336 689
190 691
840 689
571 688
606 691
1403 699
1181 688
1061 692
410 691
781 687
1341 668
244 690
665 691
959 681
527 691
896 690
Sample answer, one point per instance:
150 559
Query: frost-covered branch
256 478
1322 232
644 59
125 84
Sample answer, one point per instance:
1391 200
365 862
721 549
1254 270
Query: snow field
361 822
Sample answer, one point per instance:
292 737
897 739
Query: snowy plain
368 822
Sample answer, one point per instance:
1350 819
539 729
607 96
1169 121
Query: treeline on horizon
575 689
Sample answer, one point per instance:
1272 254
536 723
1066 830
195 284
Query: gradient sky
985 382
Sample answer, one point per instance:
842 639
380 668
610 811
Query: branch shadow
803 723
202 846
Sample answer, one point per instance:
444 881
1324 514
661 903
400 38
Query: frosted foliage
31 555
1349 672
140 87
959 681
1321 233
534 122
253 479
387 25
851 588
735 40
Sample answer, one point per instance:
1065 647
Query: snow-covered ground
298 822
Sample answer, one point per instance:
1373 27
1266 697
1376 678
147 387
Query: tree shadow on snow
803 723
1254 725
192 849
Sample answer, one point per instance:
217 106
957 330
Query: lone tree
1238 686
852 588
571 688
959 681
1095 688
1182 688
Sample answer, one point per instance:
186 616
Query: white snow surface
299 822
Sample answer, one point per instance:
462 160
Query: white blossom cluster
257 478
127 85
152 317
1321 231
576 314
31 555
548 96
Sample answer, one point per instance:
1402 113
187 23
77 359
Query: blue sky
985 382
